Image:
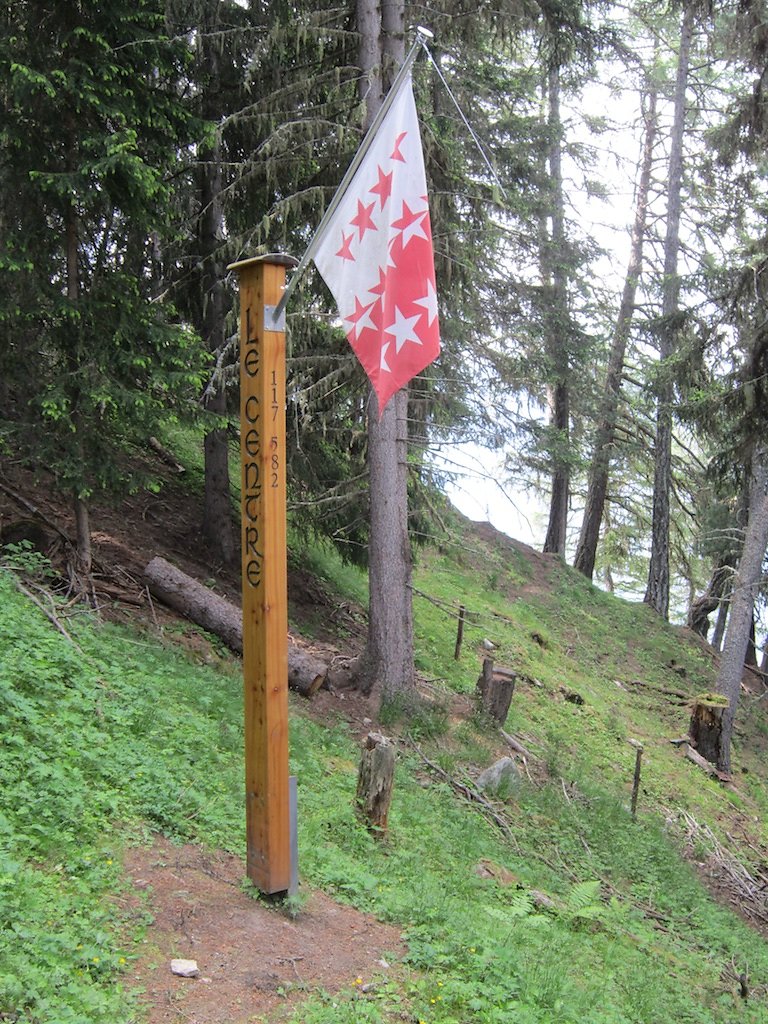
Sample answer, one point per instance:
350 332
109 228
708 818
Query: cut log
375 780
306 673
495 688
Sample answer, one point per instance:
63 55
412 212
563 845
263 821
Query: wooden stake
636 781
264 567
459 632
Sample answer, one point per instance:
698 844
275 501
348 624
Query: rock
541 900
185 968
490 869
500 778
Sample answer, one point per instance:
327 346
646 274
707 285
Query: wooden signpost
270 823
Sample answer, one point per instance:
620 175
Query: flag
376 255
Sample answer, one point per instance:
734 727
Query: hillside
121 817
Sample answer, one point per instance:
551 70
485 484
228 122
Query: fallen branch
165 456
34 512
50 615
470 793
516 746
663 690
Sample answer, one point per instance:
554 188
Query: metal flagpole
422 35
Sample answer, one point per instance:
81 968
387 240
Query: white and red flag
376 255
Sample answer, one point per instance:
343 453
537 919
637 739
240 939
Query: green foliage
94 362
133 736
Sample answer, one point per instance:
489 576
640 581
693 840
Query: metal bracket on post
274 321
293 804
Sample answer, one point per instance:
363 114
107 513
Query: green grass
103 746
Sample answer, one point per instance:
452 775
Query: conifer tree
91 125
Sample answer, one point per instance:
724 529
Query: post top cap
278 259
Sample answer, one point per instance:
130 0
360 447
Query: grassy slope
128 735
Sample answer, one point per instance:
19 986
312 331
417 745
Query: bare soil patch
255 961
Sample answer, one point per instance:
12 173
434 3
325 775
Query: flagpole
422 35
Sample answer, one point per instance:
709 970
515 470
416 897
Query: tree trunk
657 590
558 328
218 525
597 490
745 589
387 663
720 622
702 607
83 542
750 658
306 674
84 553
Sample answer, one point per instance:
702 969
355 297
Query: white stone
185 968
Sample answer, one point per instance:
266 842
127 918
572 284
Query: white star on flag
403 329
376 255
429 302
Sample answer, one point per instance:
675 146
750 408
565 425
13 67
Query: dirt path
255 961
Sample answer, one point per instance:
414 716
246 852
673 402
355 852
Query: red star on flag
363 220
385 290
345 252
383 187
396 154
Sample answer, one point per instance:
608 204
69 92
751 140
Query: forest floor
256 961
252 958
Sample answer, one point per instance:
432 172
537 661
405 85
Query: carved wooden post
264 583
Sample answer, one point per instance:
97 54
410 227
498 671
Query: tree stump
706 724
495 687
375 780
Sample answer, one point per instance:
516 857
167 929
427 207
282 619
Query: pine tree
92 126
657 590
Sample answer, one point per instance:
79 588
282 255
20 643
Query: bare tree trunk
84 554
745 590
557 340
720 622
604 442
750 657
657 590
702 607
218 525
387 663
